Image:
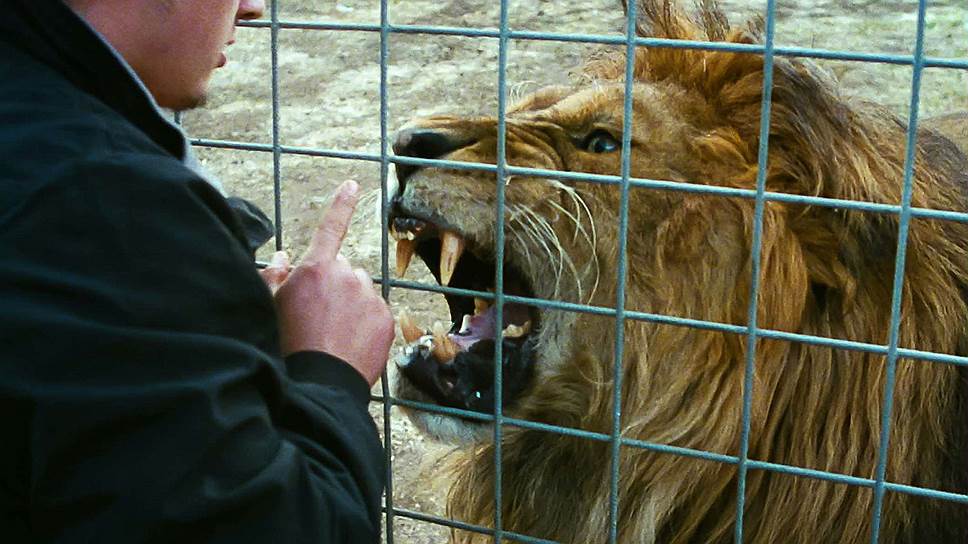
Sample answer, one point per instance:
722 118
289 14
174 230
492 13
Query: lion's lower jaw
440 427
449 429
553 345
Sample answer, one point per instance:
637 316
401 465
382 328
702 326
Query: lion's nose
425 143
422 143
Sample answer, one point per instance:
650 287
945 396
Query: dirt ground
330 98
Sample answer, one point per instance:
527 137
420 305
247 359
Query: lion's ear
662 19
707 71
667 19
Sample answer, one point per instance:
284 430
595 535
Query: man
151 387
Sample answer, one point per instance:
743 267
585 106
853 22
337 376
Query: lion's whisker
539 238
563 257
580 205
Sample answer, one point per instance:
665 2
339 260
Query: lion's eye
600 141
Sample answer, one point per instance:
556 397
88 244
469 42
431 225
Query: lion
826 271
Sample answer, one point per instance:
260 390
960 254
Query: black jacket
143 397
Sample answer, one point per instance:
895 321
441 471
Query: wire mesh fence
504 35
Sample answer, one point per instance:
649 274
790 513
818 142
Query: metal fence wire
501 170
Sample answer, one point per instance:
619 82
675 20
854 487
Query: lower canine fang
411 332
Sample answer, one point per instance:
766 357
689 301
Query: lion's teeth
516 331
451 248
411 332
439 329
465 324
444 349
406 234
481 306
405 249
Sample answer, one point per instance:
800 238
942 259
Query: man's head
173 45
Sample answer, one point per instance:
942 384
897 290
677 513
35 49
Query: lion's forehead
600 103
574 110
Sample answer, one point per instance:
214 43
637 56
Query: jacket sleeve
144 399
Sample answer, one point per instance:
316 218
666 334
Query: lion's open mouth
455 365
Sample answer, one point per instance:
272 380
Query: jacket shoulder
48 127
41 109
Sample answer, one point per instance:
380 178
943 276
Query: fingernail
349 188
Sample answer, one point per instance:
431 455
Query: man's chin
188 103
182 99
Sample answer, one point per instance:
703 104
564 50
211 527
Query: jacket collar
51 32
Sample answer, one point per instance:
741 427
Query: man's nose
251 9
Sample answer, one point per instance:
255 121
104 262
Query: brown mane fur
825 272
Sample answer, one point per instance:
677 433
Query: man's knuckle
348 281
313 269
305 275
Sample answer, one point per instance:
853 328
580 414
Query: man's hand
326 305
276 273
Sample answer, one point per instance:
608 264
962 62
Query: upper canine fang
451 248
405 249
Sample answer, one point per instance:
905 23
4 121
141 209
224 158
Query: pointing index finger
329 235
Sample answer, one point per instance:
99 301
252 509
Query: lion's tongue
481 326
474 329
